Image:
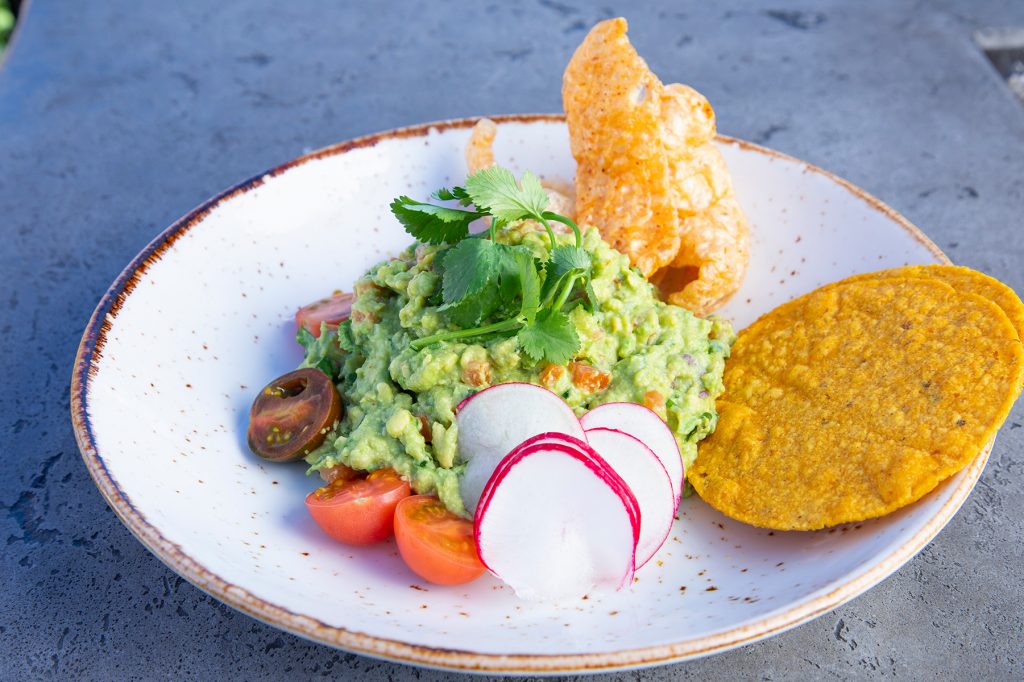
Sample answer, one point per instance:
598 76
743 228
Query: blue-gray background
118 117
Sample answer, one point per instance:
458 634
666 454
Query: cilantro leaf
551 337
433 224
496 190
483 280
563 261
529 281
469 267
454 194
474 310
567 258
508 273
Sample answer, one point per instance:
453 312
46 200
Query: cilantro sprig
483 279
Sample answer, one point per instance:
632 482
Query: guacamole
400 403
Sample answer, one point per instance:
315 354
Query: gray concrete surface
118 117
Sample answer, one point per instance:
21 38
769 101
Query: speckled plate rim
91 350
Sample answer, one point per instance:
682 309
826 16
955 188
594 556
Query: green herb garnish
481 277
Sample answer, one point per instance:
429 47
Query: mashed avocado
400 403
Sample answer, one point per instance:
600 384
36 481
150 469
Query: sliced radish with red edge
555 522
550 437
645 475
499 418
646 426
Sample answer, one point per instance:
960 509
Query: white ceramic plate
203 318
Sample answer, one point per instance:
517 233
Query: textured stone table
115 120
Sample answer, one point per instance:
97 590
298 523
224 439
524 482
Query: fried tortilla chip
623 175
480 148
857 399
712 259
714 248
649 175
966 280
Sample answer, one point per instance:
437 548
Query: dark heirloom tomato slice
332 311
338 472
292 415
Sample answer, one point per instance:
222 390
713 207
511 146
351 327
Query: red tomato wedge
359 511
331 311
437 545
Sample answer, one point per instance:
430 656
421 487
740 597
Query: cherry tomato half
359 511
292 415
331 311
437 545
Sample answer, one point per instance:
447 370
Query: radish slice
548 438
645 475
556 521
558 437
499 418
646 426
